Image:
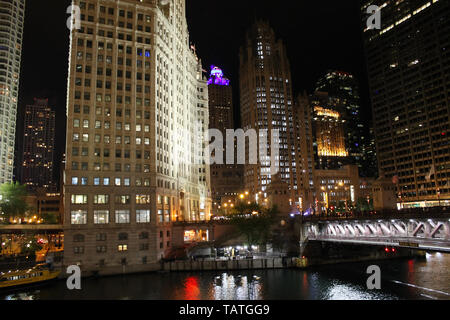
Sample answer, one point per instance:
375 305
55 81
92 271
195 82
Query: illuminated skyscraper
220 95
11 30
38 146
226 179
267 104
330 150
137 114
343 92
408 64
330 133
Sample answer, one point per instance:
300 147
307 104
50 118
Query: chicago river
416 279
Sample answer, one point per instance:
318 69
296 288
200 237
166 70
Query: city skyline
117 116
40 81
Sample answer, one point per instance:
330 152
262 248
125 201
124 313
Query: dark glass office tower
408 63
38 146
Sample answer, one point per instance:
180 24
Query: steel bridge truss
432 234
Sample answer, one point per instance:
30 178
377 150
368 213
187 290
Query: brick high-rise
226 179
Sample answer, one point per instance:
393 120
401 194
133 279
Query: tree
253 222
340 208
30 245
363 205
13 201
49 218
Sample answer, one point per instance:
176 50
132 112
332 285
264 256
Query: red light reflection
192 292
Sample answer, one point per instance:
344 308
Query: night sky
319 35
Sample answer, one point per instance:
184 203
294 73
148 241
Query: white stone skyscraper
137 114
12 14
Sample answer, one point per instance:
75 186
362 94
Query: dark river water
401 279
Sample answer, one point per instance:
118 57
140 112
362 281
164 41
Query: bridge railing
435 212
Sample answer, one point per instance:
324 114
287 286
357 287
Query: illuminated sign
216 77
326 112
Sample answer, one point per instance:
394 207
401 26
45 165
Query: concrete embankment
250 264
188 265
316 254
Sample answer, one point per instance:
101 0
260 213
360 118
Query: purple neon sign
216 77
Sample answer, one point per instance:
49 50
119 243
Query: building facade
343 92
267 104
341 187
11 33
305 160
137 113
45 207
408 65
226 179
325 178
38 146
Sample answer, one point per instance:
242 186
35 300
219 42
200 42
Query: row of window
102 217
107 112
106 167
81 199
80 217
121 236
110 11
119 99
84 137
100 84
120 248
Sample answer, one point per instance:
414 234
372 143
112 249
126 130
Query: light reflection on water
413 279
229 287
339 291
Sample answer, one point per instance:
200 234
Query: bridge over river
420 229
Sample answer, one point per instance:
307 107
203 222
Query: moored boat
22 278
